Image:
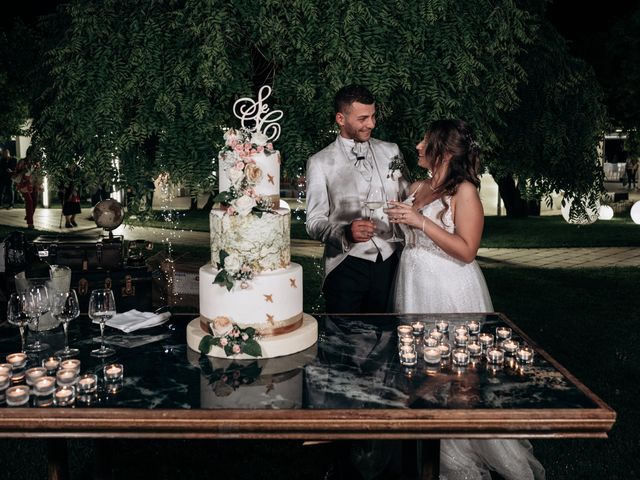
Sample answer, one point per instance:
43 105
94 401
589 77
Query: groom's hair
349 94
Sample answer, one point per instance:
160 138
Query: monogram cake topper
257 112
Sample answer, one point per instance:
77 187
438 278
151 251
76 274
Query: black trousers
360 286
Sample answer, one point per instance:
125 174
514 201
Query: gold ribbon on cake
276 328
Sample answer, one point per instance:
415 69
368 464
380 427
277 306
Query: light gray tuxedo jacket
336 191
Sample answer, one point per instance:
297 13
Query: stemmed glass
102 306
37 305
65 307
374 200
17 314
392 197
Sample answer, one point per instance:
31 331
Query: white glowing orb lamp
591 213
635 213
605 212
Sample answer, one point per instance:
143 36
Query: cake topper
246 109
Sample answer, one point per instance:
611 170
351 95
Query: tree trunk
515 205
209 205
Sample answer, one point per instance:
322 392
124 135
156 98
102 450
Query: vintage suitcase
81 252
176 283
131 287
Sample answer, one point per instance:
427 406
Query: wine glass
374 200
392 196
17 314
65 307
38 304
102 306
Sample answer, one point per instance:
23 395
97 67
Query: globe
108 214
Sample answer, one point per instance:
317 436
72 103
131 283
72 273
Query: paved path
49 219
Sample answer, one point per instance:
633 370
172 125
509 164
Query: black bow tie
360 151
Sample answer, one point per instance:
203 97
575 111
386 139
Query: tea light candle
66 376
509 345
442 326
5 380
461 339
418 328
44 386
485 339
64 395
474 327
431 342
435 333
474 348
407 349
17 396
445 350
34 373
71 364
502 333
51 364
408 359
524 354
461 330
404 330
88 383
404 341
113 372
17 360
495 355
6 369
431 354
460 357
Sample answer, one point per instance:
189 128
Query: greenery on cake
231 338
232 268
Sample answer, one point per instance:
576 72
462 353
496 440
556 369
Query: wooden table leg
429 452
57 459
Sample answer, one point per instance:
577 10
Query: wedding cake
250 292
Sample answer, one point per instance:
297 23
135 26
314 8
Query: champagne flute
38 304
373 200
102 306
17 314
65 307
393 196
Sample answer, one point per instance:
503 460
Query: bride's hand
404 214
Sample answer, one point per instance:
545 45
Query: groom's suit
336 191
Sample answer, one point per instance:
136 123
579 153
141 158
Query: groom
359 262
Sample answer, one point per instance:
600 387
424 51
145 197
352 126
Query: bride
442 220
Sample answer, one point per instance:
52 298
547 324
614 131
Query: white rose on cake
235 176
221 326
244 205
230 137
253 173
232 264
260 139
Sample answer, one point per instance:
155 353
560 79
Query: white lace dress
429 280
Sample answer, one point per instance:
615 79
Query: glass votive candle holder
408 359
460 357
418 328
442 326
403 341
461 329
87 384
404 330
71 364
431 342
51 364
32 374
64 396
6 369
431 355
485 339
524 354
407 349
473 326
17 396
435 333
5 381
44 386
509 346
17 360
474 348
66 377
445 350
502 333
87 399
495 355
113 372
461 339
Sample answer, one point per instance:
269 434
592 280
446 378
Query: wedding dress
429 280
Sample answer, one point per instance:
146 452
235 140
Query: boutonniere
396 168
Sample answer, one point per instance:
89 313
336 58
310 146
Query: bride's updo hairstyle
456 138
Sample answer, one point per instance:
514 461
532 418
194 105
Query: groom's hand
362 230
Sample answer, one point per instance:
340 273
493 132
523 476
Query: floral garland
242 171
231 338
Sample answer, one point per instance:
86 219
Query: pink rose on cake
243 205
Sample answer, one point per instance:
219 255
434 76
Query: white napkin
135 320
